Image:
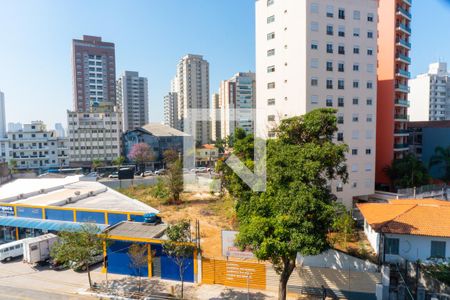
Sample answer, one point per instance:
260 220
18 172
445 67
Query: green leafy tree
79 247
441 158
174 176
97 163
138 254
118 161
160 190
296 211
407 172
220 145
343 225
179 247
13 165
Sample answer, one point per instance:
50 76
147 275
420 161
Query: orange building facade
394 46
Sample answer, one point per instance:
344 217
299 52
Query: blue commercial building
32 207
160 138
425 137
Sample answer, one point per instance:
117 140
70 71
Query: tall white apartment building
2 116
171 110
192 87
95 135
238 100
132 94
14 126
321 53
430 94
60 130
215 117
35 147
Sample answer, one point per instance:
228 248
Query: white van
11 250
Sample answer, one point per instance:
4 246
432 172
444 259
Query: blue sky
150 37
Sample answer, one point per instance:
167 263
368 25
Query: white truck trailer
38 249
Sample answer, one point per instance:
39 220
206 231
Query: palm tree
406 172
441 158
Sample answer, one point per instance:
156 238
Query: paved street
19 293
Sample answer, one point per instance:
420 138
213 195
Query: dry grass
214 214
357 246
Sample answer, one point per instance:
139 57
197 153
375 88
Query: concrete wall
372 236
338 261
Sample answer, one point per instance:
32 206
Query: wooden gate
234 273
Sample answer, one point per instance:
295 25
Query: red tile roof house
408 229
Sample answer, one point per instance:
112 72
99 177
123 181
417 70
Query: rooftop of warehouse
137 230
69 192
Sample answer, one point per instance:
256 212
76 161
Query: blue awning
43 224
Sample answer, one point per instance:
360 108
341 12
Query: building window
370 17
369 119
355 101
369 84
355 168
341 102
370 68
329 66
356 67
341 31
314 99
356 32
341 84
356 15
437 249
340 136
356 50
341 67
370 34
270 69
355 84
340 119
271 52
368 151
368 167
314 81
341 49
329 29
271 101
314 8
329 84
330 11
355 118
314 26
392 246
341 14
314 45
270 2
314 63
370 52
354 151
271 118
271 36
271 85
270 19
369 102
329 48
329 102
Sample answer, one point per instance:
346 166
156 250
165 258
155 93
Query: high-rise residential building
95 135
315 54
215 118
238 101
132 94
35 147
192 87
392 99
171 110
95 124
430 94
60 130
14 126
94 74
2 116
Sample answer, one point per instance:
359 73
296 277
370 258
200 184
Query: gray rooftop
158 129
137 230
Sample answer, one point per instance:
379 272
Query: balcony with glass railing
403 73
401 147
402 102
401 88
401 117
403 58
404 28
401 132
409 2
404 12
404 43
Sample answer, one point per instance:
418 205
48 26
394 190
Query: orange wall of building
385 88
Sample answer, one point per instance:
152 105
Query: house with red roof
411 229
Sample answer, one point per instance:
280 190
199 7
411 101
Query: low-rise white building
35 147
94 135
417 229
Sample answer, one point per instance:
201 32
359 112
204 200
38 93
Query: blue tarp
43 224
